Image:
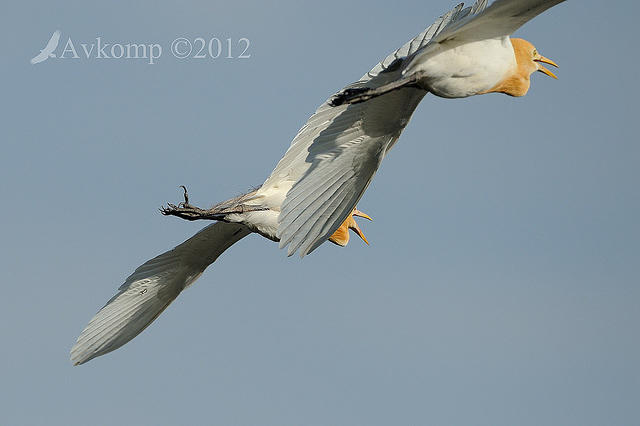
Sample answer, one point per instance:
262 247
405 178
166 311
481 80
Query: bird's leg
356 95
341 236
186 211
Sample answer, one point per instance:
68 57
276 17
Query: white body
465 70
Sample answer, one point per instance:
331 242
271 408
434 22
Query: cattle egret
310 196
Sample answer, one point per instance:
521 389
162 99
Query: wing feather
422 39
342 145
339 208
502 18
319 204
151 288
318 191
342 164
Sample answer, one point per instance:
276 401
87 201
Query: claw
186 194
186 197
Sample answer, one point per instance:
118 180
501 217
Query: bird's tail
151 288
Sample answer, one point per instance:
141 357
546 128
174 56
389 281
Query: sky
501 283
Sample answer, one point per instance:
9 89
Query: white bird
312 193
48 50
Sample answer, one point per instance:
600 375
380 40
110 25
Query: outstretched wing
151 288
335 155
419 42
338 153
502 18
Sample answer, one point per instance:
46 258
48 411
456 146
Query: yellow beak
545 70
353 225
357 230
341 236
358 213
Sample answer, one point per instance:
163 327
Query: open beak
357 230
542 69
358 213
341 236
353 225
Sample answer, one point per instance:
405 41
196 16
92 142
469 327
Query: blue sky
500 286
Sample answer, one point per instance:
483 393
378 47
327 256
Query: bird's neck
517 82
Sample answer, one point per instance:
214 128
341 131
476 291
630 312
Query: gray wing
335 155
423 39
348 145
151 288
502 18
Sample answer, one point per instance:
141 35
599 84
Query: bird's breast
465 69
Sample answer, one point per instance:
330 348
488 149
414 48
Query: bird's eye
535 52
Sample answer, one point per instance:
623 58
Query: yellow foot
341 236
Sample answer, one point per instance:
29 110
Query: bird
311 195
48 50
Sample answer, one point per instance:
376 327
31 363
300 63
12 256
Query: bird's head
528 60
